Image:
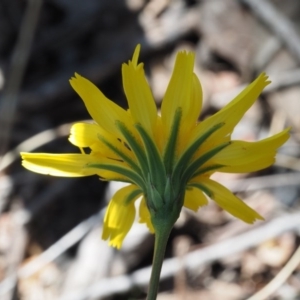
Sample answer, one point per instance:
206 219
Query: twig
279 279
19 62
278 23
34 142
51 253
16 253
288 162
194 260
262 182
181 246
266 53
270 230
283 79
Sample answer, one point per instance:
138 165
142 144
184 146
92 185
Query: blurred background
50 228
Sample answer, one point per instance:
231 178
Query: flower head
166 159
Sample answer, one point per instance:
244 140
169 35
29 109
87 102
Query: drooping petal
104 111
145 215
93 136
194 198
243 157
179 91
84 134
120 215
139 96
64 165
232 113
229 202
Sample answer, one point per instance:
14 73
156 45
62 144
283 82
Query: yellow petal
89 135
136 54
119 216
84 134
145 215
139 96
193 111
179 90
229 202
232 113
102 110
194 198
194 106
242 156
64 165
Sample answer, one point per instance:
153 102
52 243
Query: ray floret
168 159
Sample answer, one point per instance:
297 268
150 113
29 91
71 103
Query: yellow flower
167 160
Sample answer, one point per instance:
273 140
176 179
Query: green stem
161 240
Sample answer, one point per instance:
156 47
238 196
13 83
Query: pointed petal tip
74 76
256 218
281 137
260 218
286 133
186 55
287 130
264 78
136 54
115 244
112 243
74 79
251 217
